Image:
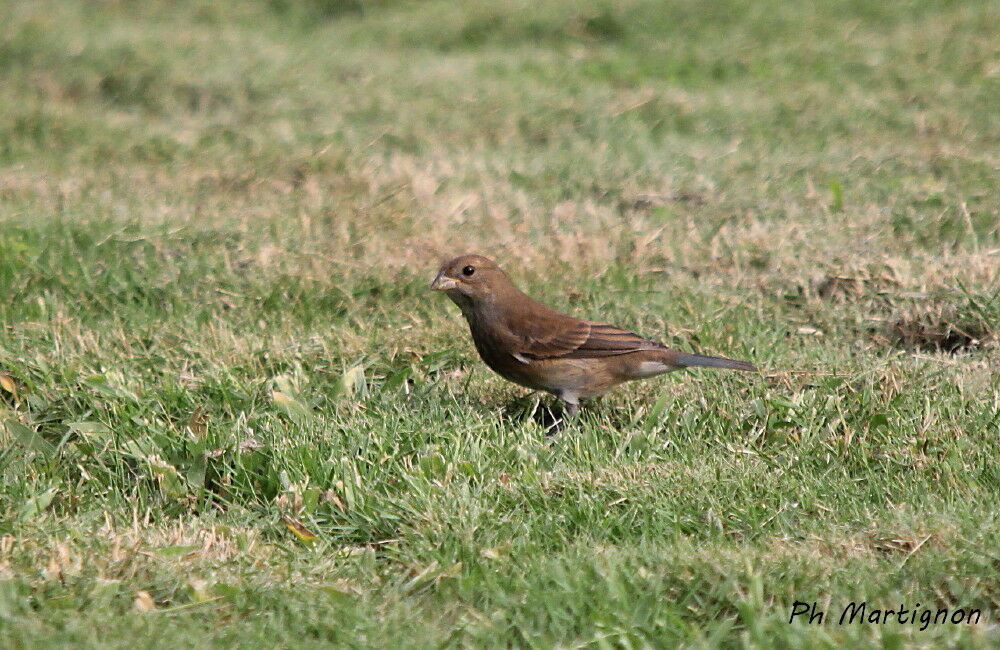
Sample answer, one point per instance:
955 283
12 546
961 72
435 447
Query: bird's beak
443 283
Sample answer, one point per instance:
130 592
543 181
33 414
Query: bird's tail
700 360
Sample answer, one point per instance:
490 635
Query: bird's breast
499 353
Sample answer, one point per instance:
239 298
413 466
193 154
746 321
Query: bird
537 347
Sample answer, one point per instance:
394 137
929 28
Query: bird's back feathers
584 340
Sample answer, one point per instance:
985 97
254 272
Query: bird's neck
502 308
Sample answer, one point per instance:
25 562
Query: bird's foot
569 413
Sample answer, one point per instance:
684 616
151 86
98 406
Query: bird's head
470 279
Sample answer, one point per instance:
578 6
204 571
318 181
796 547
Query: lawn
232 413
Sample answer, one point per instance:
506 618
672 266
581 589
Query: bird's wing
578 339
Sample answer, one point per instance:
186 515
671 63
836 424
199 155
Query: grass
233 413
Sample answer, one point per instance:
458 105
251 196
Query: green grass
218 222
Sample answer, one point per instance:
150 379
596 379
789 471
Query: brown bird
535 346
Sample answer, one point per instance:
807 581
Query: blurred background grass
218 223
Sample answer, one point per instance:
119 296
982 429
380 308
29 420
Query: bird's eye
469 270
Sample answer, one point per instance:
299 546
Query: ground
233 413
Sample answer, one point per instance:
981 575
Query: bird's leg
569 410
